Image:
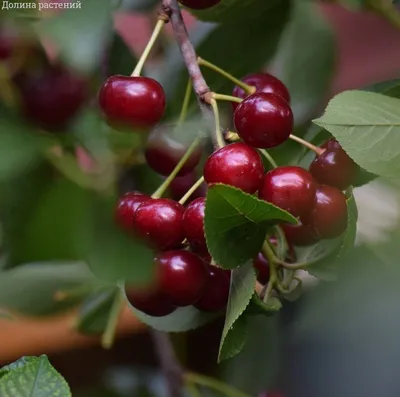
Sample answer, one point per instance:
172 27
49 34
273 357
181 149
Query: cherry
51 96
137 102
216 292
183 276
328 216
264 120
159 222
291 188
262 82
127 206
181 184
300 235
163 152
261 265
193 224
237 165
199 4
151 302
334 167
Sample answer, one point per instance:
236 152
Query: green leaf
389 88
305 60
121 59
243 281
32 377
257 306
236 224
80 34
367 125
31 288
235 340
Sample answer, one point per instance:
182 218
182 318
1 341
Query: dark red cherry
261 265
193 224
216 292
264 120
183 276
199 4
237 165
151 302
262 82
291 188
181 184
126 208
164 151
51 96
159 222
334 167
300 235
328 216
137 102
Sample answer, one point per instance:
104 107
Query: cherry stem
218 133
307 144
269 254
185 104
107 340
164 186
269 158
248 88
230 98
215 384
191 190
156 33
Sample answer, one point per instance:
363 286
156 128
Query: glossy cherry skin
181 184
51 96
300 235
126 208
291 188
193 224
328 216
216 292
151 302
262 82
261 265
159 222
334 167
199 4
263 120
136 102
163 152
237 165
183 276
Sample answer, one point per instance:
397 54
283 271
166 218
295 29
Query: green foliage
236 224
121 59
32 377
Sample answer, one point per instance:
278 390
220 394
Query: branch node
164 13
207 97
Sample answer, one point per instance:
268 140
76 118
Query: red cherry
300 235
51 96
181 184
137 102
199 4
159 222
334 167
127 206
183 276
262 82
328 216
163 152
291 188
216 292
193 224
263 120
261 265
237 165
151 302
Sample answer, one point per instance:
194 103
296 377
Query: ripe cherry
164 151
262 82
300 235
51 96
264 120
159 222
199 4
136 102
151 302
291 188
181 184
183 276
127 206
237 165
328 216
334 167
216 292
261 265
193 224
